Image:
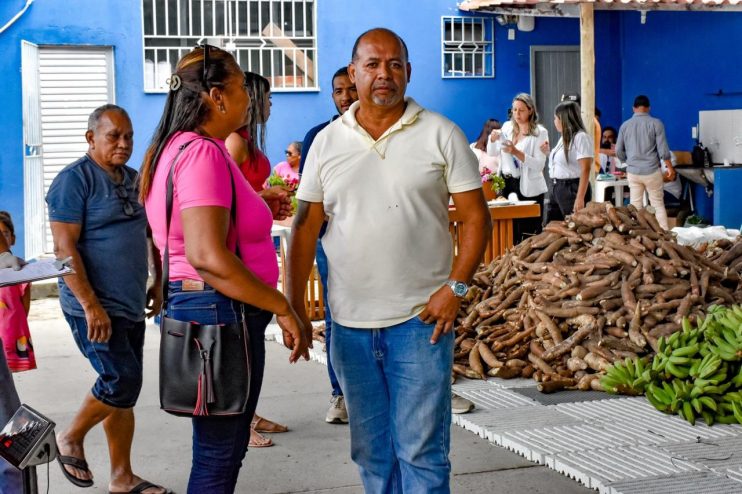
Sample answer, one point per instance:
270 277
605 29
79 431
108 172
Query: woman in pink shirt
289 170
222 270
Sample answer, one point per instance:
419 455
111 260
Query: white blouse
563 167
531 171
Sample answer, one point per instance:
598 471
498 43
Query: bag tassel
204 384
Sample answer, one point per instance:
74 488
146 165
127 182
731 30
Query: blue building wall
692 54
668 72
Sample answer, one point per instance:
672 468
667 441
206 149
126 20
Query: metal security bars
467 47
275 38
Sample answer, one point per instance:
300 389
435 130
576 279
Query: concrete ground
312 458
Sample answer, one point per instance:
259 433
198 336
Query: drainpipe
15 18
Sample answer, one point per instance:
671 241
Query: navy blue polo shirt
113 238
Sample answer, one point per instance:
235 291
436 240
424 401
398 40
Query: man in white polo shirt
383 173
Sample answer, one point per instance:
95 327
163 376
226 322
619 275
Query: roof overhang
571 8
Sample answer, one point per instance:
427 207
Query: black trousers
562 200
524 227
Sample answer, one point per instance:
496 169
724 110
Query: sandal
260 424
257 440
141 487
78 463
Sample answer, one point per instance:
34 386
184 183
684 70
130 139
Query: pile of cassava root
603 285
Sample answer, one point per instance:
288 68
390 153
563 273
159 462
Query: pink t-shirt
201 179
284 170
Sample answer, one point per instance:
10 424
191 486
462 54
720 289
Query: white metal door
72 81
33 175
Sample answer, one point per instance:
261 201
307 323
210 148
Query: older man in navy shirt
96 219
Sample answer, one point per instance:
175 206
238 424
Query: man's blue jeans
323 268
398 393
219 443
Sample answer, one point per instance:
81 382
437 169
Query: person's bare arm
65 237
205 233
236 147
443 305
302 250
585 164
154 292
26 300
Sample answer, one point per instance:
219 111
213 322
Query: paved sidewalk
312 458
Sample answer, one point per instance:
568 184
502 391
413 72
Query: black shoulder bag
204 368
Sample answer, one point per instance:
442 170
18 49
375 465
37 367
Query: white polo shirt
387 241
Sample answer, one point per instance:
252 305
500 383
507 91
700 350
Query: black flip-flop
140 488
76 463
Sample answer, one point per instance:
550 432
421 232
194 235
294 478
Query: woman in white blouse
522 159
570 161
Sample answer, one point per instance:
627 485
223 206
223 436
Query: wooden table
502 227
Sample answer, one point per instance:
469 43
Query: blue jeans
323 268
398 393
118 361
219 443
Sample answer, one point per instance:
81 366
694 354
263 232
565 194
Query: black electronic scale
28 440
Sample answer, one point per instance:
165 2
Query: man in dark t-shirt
97 220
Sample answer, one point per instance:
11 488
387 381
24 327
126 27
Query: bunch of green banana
629 377
697 372
676 355
725 338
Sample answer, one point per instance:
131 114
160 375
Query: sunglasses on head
123 194
289 153
206 48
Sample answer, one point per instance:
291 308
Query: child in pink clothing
15 301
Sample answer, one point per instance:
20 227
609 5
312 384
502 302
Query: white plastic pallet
678 483
599 467
721 454
496 422
490 397
639 414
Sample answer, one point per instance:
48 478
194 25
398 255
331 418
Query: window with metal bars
467 47
275 38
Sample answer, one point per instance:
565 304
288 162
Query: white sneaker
460 405
337 414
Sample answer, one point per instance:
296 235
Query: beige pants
653 185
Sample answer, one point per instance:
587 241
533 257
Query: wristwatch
459 288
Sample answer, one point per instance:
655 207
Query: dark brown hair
7 221
185 107
568 113
258 88
490 125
